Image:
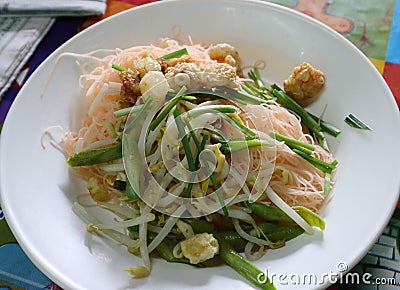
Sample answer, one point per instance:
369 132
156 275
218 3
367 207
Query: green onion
322 165
139 117
246 88
217 137
239 96
315 124
242 265
238 125
95 156
110 129
189 98
327 183
255 76
217 190
126 111
250 89
235 145
325 126
268 212
194 137
165 111
226 109
185 141
322 140
130 193
297 108
291 142
354 122
164 249
260 87
310 217
200 148
223 111
292 105
174 54
132 161
117 67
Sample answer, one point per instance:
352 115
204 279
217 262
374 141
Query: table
373 26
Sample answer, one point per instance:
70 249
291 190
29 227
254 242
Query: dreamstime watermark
340 276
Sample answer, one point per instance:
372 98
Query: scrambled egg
200 247
97 191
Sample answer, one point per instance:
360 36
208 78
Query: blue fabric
17 269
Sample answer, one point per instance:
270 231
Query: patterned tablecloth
373 26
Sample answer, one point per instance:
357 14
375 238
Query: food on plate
304 84
195 159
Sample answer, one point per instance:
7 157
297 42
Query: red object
137 2
391 74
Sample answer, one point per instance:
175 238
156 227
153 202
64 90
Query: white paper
19 38
50 8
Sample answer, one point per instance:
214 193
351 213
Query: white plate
38 189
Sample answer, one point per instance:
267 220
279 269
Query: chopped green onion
327 183
189 98
185 141
217 137
194 137
130 192
325 126
235 145
290 141
223 111
110 129
238 125
95 156
132 161
239 96
299 110
322 165
354 122
217 190
174 54
126 111
255 76
250 272
119 68
200 148
310 217
139 116
250 89
247 89
165 111
226 109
